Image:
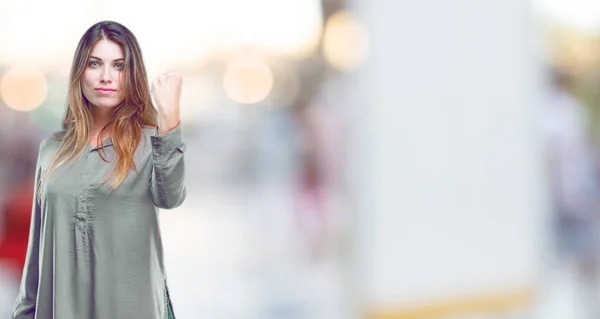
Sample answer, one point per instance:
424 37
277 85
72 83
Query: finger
174 75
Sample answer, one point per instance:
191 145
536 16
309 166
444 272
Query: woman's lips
105 91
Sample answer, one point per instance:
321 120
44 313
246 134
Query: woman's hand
166 89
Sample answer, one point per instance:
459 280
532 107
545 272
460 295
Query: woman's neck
100 117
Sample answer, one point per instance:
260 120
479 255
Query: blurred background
412 159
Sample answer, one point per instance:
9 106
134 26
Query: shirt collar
108 141
105 143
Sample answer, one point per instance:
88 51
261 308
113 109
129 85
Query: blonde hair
129 118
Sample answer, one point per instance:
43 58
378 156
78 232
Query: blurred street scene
347 159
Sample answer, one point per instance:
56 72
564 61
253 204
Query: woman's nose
105 75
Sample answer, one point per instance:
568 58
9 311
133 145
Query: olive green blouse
98 254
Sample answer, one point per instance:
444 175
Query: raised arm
167 185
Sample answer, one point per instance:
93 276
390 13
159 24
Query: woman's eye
119 65
94 64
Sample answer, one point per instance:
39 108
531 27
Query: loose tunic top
98 254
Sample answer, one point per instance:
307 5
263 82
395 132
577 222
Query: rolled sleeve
167 186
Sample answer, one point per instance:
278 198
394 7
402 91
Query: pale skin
101 84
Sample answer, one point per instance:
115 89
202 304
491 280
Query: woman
95 247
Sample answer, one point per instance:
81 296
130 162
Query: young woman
95 247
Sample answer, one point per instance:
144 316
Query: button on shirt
94 253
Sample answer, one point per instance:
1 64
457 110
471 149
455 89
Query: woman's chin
106 104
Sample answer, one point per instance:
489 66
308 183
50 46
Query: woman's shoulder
51 141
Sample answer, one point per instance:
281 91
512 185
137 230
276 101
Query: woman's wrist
166 125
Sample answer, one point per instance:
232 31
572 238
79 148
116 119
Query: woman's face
103 75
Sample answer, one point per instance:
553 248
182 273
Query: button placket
83 198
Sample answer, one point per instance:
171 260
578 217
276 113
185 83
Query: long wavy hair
135 113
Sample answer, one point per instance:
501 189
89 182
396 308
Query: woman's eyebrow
97 58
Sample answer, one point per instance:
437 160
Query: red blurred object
17 213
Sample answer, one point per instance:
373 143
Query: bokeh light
248 80
345 41
23 89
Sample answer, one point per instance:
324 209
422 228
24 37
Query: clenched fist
166 90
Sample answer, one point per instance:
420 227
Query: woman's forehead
107 50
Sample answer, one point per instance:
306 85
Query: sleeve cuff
168 141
